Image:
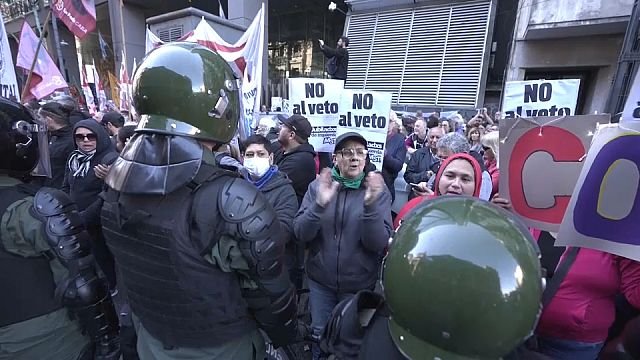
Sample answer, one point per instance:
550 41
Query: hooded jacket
346 238
300 167
84 190
477 177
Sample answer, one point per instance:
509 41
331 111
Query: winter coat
346 238
300 166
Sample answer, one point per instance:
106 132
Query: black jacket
300 167
280 194
61 144
342 61
394 155
84 190
421 161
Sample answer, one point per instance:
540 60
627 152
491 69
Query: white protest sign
366 112
632 106
276 102
8 83
540 98
318 100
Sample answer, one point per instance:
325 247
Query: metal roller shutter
428 55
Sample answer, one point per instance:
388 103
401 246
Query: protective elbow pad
83 292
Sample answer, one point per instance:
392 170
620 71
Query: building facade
577 39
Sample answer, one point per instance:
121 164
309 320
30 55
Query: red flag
78 15
46 77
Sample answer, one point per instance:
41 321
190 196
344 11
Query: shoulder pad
50 202
240 200
243 204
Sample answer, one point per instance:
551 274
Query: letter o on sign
586 218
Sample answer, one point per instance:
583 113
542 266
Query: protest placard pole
35 56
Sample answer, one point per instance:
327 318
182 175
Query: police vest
180 299
26 284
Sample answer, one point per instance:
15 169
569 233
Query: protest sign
540 98
318 100
632 106
366 112
540 161
605 206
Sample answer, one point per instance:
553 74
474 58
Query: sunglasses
485 148
89 137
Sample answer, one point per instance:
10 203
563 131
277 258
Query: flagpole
35 56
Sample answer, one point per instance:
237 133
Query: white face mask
256 166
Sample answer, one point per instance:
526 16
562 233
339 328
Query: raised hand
327 188
374 187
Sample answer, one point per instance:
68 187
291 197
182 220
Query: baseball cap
342 139
297 123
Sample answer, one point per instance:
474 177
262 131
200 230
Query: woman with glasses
86 168
346 221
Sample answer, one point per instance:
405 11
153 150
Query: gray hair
454 142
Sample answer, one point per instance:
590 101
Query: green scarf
348 183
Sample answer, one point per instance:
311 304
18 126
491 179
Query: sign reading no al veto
540 98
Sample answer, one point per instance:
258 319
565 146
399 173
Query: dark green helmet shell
186 89
463 281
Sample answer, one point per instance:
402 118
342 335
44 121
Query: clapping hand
327 188
374 187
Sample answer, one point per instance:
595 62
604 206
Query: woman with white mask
276 187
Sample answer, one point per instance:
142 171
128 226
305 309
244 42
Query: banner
540 98
152 41
540 161
78 15
366 113
605 206
632 106
114 84
8 82
125 86
88 95
46 77
319 101
102 96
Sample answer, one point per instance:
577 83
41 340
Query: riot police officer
53 305
462 280
199 249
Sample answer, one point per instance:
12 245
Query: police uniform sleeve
81 290
254 224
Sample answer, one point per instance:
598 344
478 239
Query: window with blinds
170 34
429 55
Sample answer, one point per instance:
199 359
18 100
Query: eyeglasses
350 153
89 137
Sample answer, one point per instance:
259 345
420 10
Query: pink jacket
583 308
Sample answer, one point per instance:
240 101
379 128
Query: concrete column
134 33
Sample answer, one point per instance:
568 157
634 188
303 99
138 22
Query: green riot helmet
463 280
186 89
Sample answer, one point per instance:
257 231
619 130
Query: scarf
260 183
348 183
79 163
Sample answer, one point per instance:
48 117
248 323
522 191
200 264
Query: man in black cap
297 156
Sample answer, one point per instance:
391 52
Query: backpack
332 66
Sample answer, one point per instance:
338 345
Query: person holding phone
482 118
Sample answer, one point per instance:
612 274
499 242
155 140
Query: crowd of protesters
337 216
